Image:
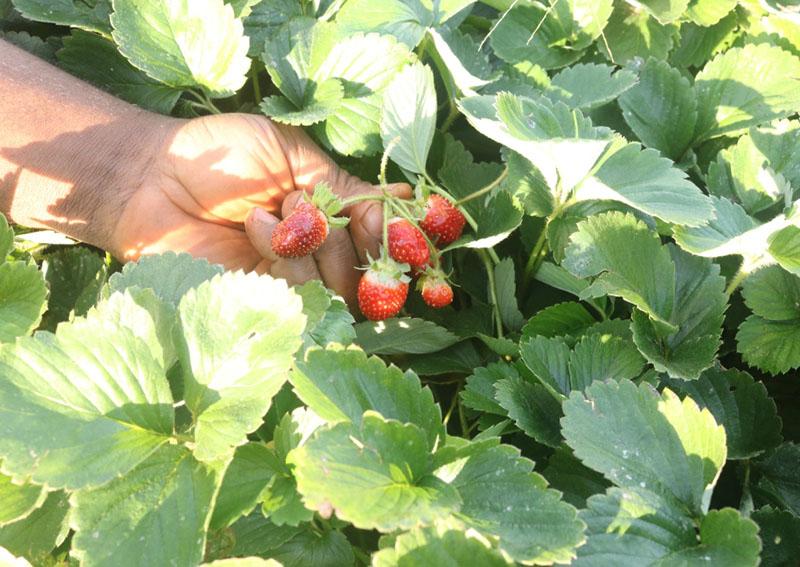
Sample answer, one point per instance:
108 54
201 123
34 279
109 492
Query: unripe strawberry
443 222
300 233
436 292
407 244
383 289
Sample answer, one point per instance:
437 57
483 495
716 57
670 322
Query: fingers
336 262
259 225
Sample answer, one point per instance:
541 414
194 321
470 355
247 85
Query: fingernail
262 216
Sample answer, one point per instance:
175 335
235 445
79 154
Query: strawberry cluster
411 247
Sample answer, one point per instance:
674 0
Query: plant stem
534 260
492 290
359 198
746 503
204 101
256 85
737 279
482 191
450 118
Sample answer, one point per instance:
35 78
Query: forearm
70 154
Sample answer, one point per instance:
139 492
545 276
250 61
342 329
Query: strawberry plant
596 365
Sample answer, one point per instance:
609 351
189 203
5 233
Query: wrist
79 182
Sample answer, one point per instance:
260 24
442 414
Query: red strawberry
407 244
436 292
443 222
307 226
301 233
383 289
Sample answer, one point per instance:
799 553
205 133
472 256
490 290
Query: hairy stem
736 281
487 262
483 190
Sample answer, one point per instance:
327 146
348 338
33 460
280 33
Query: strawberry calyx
328 203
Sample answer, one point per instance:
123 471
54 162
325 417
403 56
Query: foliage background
615 384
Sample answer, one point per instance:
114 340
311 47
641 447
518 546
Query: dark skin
76 160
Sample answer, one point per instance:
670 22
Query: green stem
737 279
492 290
256 85
534 260
361 556
359 198
204 101
482 191
746 503
451 117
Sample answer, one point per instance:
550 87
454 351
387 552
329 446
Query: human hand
216 187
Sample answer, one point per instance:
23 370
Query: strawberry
301 233
407 244
307 226
383 289
436 292
443 222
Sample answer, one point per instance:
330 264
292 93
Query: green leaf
766 338
169 275
87 404
709 12
496 220
629 527
665 11
741 405
503 498
75 276
548 359
568 318
551 37
479 389
305 53
698 44
6 238
638 439
642 179
340 385
506 284
561 142
526 185
376 476
165 501
460 58
401 335
698 314
96 59
246 477
602 357
91 15
661 109
243 562
406 20
35 536
184 44
728 101
329 549
577 483
602 247
323 100
589 85
757 172
780 535
18 500
23 299
462 176
256 535
265 18
437 546
233 370
777 477
409 116
632 33
532 407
